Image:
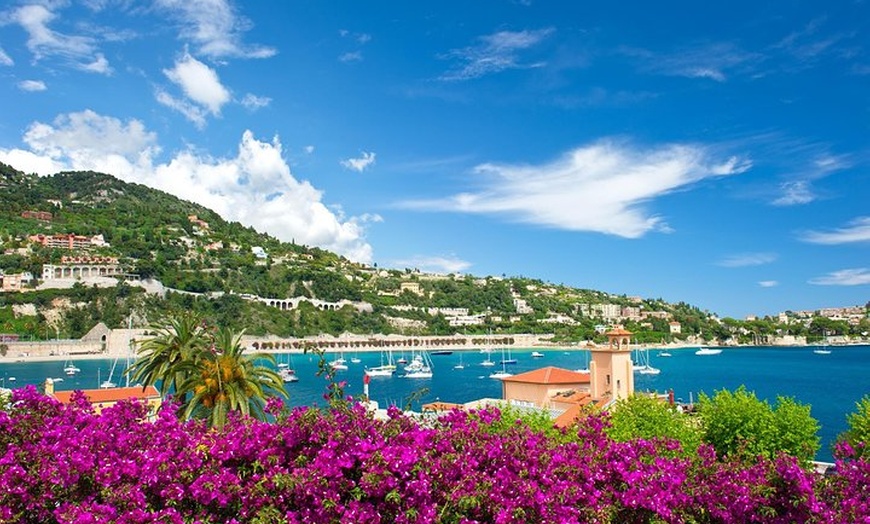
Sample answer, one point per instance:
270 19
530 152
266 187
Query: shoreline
24 359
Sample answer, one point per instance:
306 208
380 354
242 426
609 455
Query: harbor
831 383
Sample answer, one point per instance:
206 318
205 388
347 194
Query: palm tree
225 379
178 340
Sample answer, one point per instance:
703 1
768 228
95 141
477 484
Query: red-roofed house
105 398
537 388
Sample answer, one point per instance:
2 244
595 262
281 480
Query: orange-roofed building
538 387
105 398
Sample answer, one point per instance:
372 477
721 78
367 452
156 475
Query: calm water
831 384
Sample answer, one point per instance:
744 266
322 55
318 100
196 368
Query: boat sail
286 371
384 370
419 367
647 368
503 373
70 368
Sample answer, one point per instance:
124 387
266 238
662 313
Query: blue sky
712 154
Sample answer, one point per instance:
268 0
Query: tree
224 379
645 417
178 340
739 424
858 434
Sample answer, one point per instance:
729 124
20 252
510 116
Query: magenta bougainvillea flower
65 463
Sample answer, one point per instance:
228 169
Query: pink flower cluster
67 464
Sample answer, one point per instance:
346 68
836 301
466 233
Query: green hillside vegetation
189 248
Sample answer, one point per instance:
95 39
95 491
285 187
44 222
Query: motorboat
537 354
704 350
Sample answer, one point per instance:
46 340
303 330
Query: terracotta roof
618 332
572 397
579 410
441 406
95 396
549 375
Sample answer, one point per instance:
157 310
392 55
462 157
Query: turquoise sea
832 384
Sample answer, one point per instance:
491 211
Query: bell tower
610 371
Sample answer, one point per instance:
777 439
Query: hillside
237 276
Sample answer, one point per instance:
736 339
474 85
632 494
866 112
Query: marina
830 383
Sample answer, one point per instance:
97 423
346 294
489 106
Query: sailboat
503 373
460 365
823 349
384 370
286 372
70 368
586 368
509 359
108 384
419 367
647 369
339 364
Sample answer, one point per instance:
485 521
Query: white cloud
795 193
5 59
602 187
494 53
309 149
361 163
254 102
713 61
858 230
254 187
99 65
215 27
747 259
193 113
355 56
200 83
44 42
844 277
768 283
32 85
434 264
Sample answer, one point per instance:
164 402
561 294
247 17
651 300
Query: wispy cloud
434 264
361 163
494 53
354 56
200 84
357 39
747 259
5 59
254 102
214 27
714 61
844 277
254 186
768 283
78 50
812 44
603 187
794 193
858 230
32 85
